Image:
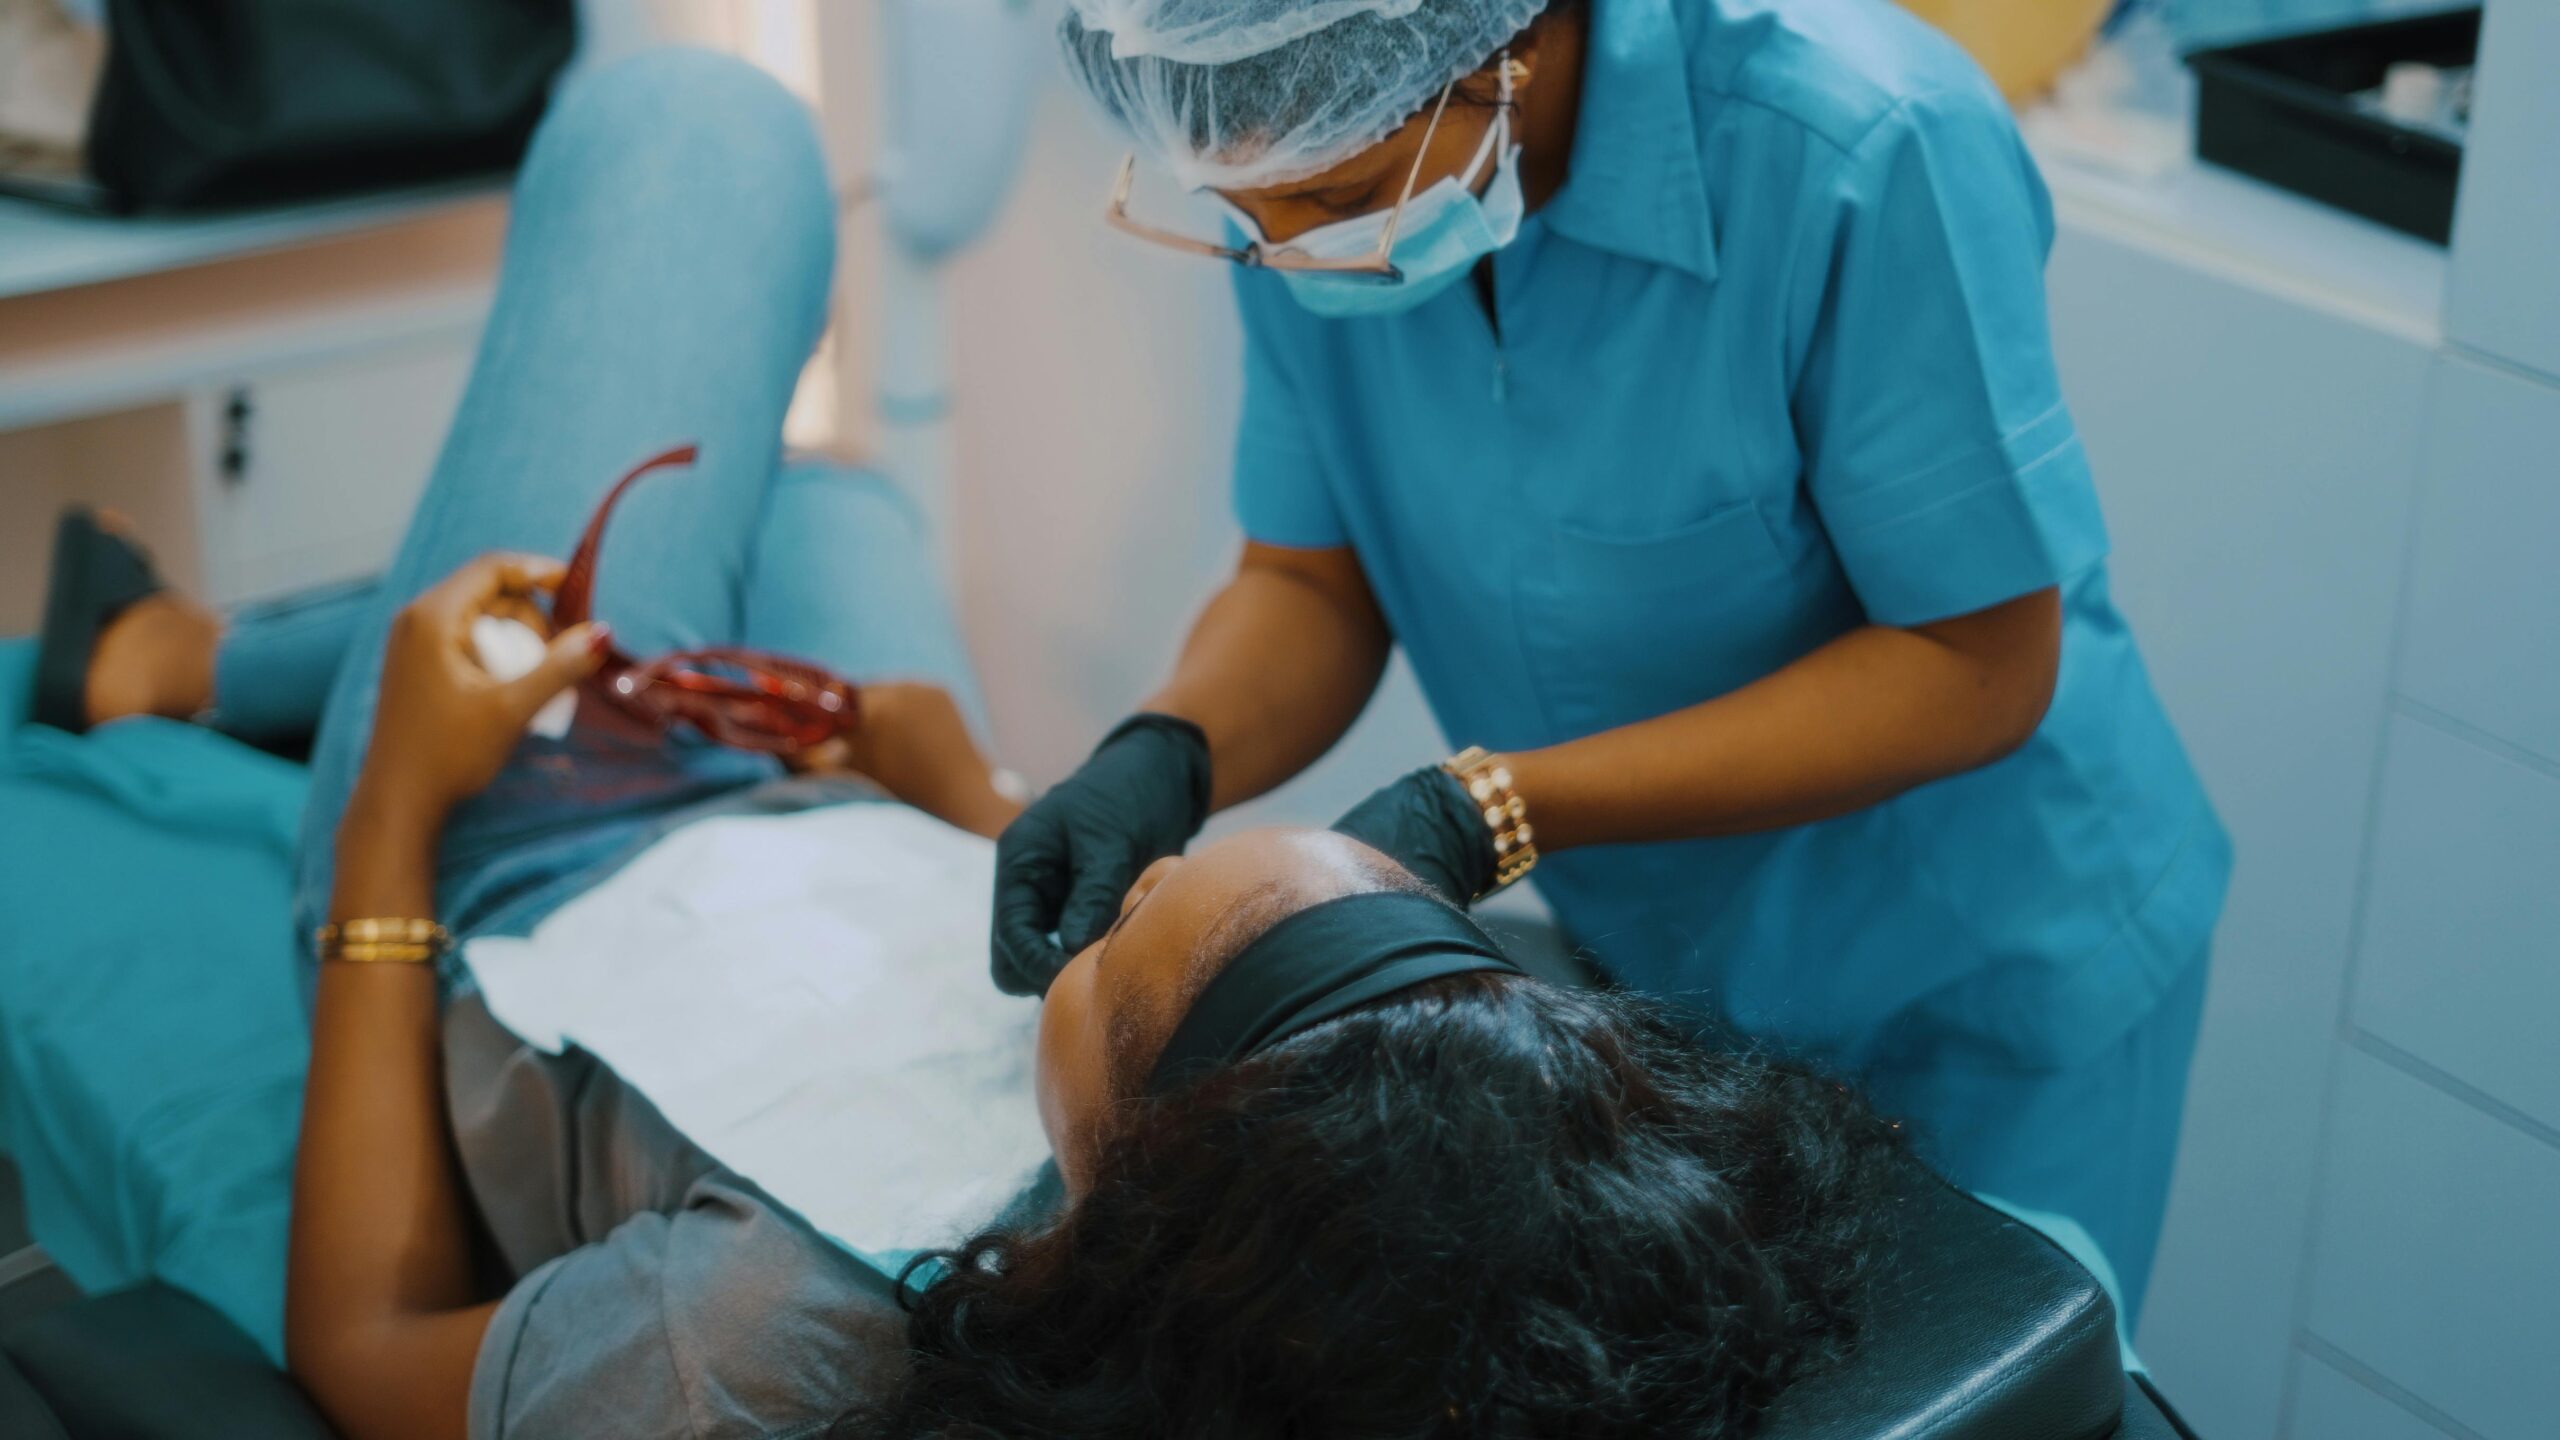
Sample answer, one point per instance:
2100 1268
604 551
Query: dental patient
1328 1163
1331 1167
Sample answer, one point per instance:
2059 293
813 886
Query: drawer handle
234 460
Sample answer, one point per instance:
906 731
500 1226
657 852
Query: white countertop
43 247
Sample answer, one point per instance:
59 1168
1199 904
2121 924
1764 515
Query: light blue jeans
666 278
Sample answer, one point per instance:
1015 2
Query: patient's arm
914 743
382 1322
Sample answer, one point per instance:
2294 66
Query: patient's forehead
1201 914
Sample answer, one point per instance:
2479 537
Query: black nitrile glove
1427 823
1064 864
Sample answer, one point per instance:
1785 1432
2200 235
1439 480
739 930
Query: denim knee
679 130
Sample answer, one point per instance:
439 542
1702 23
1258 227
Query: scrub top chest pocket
1623 628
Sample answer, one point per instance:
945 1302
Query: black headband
1319 963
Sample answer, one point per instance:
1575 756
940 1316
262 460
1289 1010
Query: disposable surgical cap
1239 94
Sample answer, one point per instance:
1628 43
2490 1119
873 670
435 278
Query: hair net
1239 94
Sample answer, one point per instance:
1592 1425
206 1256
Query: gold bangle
1488 782
384 941
382 952
407 931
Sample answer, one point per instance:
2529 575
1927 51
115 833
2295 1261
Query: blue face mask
1446 230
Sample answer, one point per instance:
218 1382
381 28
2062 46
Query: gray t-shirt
659 1293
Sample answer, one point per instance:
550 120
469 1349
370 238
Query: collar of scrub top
1636 186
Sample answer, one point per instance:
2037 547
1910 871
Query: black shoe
97 576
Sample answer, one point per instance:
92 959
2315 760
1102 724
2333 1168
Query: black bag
225 102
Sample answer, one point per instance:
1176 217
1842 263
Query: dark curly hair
1485 1207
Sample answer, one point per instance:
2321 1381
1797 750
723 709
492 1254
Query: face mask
1446 230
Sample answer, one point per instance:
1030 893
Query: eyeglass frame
1378 268
784 706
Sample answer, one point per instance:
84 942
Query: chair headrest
1982 1330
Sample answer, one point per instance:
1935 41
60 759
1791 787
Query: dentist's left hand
443 726
1426 823
1065 865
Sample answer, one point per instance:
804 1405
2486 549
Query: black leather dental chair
1983 1331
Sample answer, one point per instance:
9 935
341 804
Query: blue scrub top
1772 365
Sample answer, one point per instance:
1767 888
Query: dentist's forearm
1278 666
1872 714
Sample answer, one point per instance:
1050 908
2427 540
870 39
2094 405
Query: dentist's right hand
1065 864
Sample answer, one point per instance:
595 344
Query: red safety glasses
744 698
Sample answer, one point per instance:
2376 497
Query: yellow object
1488 783
398 942
381 952
2025 44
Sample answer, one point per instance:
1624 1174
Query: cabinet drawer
2460 957
2438 1264
2482 641
324 465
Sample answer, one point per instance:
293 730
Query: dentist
1672 382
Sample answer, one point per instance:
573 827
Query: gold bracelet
384 941
382 952
1488 782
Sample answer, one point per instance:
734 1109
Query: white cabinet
2257 457
342 329
307 476
2483 639
2438 1264
2459 961
2436 1271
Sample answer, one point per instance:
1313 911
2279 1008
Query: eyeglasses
748 699
1377 267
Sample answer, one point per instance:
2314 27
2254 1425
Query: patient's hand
443 726
914 743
